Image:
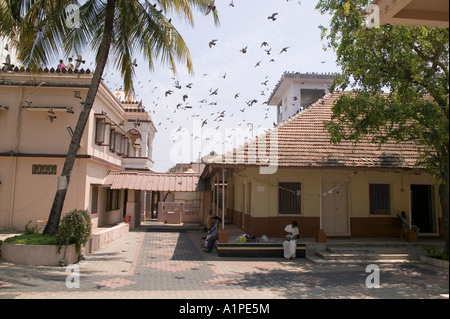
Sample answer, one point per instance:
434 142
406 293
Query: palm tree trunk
102 57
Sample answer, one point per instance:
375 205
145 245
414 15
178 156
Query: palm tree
121 27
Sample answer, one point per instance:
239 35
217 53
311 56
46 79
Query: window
125 146
94 199
117 142
112 198
100 131
112 140
380 199
289 198
38 169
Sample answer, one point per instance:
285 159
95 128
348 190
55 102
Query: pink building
37 113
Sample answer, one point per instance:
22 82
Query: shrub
74 228
30 229
435 252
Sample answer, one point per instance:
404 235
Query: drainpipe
15 151
321 235
320 200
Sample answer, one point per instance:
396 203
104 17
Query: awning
181 182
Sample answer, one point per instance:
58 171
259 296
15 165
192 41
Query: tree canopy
399 82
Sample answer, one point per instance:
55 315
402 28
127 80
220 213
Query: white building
296 91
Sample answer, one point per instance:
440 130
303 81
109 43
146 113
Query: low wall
264 250
38 255
103 237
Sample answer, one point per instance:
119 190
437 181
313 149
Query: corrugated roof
302 141
155 181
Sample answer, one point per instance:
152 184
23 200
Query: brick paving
171 265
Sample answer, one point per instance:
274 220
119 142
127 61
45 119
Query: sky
217 113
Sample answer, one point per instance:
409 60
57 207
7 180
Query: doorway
422 208
154 205
335 209
124 203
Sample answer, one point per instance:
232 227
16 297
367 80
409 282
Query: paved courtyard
171 265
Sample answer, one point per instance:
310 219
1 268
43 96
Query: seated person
405 223
290 243
212 235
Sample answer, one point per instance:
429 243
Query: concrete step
172 228
366 255
349 261
362 253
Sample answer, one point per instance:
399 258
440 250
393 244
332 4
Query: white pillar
144 146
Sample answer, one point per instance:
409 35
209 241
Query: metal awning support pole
224 203
213 195
217 196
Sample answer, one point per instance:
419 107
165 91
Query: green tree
123 28
410 65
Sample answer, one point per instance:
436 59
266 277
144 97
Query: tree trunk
64 179
443 195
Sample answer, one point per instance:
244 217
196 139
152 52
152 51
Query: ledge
435 261
103 236
38 255
268 250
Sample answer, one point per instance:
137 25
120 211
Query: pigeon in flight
272 17
284 50
211 7
212 43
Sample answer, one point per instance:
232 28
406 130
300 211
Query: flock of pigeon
207 110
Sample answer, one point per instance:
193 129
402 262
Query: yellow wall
264 198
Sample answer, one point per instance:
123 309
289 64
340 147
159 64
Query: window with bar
112 139
289 198
94 199
112 199
100 131
380 199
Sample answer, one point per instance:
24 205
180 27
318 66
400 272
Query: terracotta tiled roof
154 181
302 141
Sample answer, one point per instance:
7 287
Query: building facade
37 114
293 172
296 91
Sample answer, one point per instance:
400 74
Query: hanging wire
329 192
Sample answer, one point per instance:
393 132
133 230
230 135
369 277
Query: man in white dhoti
290 244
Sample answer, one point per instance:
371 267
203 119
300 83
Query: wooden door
335 217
